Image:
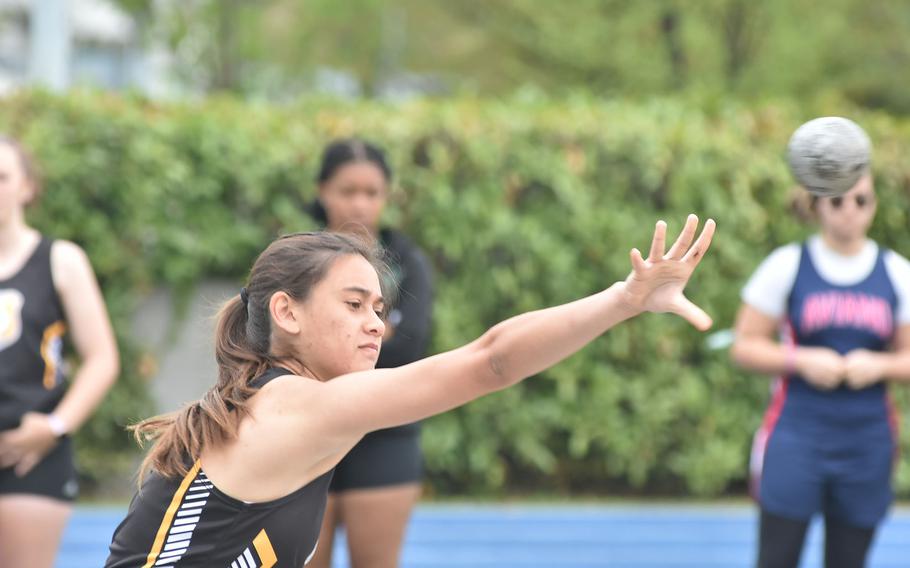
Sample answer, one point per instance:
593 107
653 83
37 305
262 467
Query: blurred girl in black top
47 288
377 484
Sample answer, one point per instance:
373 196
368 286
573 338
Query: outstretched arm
517 348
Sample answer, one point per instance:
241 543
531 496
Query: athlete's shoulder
70 266
784 256
287 393
897 263
768 287
67 254
898 268
395 241
404 250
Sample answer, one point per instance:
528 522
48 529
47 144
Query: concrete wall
181 344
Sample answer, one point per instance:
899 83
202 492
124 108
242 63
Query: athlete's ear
282 310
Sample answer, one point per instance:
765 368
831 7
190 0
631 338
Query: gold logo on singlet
11 302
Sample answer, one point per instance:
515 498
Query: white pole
49 44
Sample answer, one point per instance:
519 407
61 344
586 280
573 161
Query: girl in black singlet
47 288
240 477
377 484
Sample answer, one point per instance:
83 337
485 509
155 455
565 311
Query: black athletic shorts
382 458
54 476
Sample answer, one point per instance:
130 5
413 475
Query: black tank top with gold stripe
189 522
31 340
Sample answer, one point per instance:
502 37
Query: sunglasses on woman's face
861 201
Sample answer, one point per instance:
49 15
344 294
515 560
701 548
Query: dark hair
342 152
26 163
293 264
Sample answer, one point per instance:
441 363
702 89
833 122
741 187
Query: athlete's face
356 193
847 218
341 320
15 189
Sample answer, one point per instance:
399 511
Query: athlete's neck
844 247
14 235
292 364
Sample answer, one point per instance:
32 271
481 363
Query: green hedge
519 203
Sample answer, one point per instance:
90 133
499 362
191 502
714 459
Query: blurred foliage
276 48
520 203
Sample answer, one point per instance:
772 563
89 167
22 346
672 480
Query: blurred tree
875 55
278 48
744 25
362 37
676 51
214 43
588 43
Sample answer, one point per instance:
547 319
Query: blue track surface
513 536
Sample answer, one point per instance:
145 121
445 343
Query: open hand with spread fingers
656 284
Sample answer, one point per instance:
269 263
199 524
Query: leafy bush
519 204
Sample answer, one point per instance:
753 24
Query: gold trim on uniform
53 332
264 549
169 514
